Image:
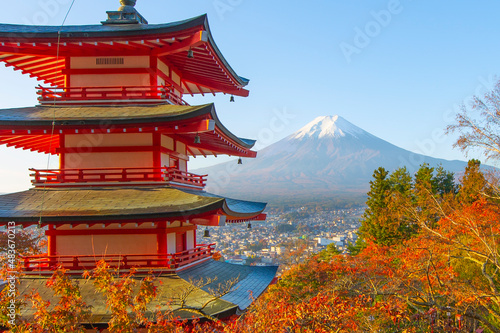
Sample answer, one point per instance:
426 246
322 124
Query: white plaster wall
176 78
163 67
108 140
106 244
115 80
86 158
171 246
181 148
109 160
190 239
183 165
167 142
165 160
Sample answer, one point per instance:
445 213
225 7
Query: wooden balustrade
111 95
116 176
174 175
172 262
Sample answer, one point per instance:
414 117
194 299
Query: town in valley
292 232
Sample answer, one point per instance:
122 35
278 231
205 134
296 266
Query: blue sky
397 69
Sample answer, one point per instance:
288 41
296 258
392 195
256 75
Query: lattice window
109 61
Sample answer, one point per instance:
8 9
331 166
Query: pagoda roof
40 51
233 207
113 204
38 128
251 282
78 32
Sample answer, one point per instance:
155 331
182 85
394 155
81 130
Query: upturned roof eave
49 122
235 208
241 80
57 211
33 33
192 112
247 143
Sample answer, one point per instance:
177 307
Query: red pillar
153 64
51 242
62 144
157 150
161 238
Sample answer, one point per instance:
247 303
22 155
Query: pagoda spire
127 6
126 14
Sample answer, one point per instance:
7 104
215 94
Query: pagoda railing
108 95
116 176
177 177
169 262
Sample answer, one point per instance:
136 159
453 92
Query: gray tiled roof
170 289
109 203
110 115
43 31
104 203
252 280
237 207
42 115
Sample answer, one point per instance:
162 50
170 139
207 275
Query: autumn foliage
442 280
442 277
428 260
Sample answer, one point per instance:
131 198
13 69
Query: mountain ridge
328 157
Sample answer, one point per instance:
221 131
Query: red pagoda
112 108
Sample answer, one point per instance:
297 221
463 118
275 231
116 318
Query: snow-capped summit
327 126
326 158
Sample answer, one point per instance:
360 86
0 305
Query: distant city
295 231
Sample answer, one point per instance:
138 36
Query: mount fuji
328 157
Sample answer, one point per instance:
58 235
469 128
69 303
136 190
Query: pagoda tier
121 205
113 129
152 227
158 62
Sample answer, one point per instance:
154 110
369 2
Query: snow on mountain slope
327 126
328 155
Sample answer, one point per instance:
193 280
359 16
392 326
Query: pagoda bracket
197 39
218 220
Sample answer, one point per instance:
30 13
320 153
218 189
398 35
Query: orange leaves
217 256
346 301
127 310
418 285
324 312
65 316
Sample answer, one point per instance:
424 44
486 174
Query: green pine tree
372 226
445 182
473 183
